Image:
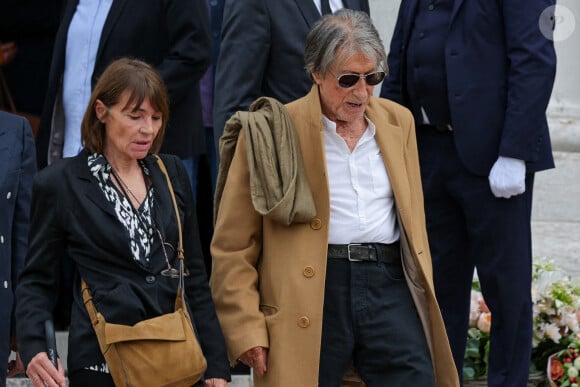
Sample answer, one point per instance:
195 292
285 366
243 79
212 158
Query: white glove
507 177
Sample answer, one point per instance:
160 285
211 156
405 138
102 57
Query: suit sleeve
198 293
189 52
243 58
532 67
21 220
392 87
37 291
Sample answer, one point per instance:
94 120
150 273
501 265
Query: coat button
303 322
431 7
5 284
316 223
1 239
150 279
8 195
308 272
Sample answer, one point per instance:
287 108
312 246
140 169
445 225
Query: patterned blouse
138 223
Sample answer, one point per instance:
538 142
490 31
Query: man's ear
100 110
317 78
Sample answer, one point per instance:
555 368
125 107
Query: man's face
341 104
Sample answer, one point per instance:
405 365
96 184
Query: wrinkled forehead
345 61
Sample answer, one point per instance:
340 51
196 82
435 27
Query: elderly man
340 273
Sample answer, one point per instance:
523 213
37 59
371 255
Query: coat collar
389 137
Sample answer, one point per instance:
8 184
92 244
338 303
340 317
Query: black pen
51 342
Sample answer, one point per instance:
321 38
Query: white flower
572 372
553 332
577 363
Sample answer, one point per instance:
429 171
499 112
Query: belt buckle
348 250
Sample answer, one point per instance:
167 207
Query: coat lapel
390 140
309 11
112 17
456 5
307 120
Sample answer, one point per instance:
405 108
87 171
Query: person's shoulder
13 122
53 174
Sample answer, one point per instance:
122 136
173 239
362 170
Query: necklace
124 185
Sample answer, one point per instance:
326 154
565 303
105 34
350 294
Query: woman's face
129 132
345 104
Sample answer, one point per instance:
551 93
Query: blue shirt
82 43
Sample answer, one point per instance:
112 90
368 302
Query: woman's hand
214 382
256 358
42 373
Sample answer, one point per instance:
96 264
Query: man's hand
257 359
507 177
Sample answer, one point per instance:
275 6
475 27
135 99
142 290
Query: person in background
477 76
109 208
264 42
27 33
326 262
171 35
17 168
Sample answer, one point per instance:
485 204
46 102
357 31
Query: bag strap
180 253
87 296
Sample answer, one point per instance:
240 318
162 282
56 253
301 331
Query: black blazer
171 35
71 216
17 167
262 53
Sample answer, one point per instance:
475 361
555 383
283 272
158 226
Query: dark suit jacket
500 73
71 215
262 53
172 35
17 166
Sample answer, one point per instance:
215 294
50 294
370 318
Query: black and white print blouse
138 222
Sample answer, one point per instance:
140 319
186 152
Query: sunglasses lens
348 80
375 78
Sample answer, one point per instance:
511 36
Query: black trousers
371 319
469 228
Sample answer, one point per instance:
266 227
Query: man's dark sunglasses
349 79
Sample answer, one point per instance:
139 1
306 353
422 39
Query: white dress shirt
335 5
362 205
82 43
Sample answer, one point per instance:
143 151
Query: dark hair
125 74
339 36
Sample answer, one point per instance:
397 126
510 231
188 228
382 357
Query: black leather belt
373 252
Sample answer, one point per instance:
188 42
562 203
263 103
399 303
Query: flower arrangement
564 367
556 316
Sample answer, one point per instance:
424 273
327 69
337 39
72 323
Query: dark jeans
371 319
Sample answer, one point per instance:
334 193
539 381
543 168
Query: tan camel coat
268 279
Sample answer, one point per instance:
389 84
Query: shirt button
421 35
303 322
431 7
8 195
150 279
316 223
308 272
